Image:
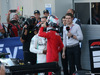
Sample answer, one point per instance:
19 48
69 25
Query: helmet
53 23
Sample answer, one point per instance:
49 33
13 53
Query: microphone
68 28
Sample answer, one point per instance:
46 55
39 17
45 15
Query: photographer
27 34
14 28
75 20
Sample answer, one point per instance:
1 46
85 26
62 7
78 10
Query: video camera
28 22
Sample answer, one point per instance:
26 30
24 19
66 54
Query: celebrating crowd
44 37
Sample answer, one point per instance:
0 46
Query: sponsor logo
95 44
8 50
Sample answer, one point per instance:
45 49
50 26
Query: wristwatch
72 36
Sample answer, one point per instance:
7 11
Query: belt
42 44
70 46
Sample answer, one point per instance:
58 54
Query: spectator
38 46
71 39
2 32
14 29
75 20
46 13
54 43
43 20
37 16
63 20
64 61
32 17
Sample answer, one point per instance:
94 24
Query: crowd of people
43 38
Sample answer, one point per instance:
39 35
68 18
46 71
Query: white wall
58 7
61 7
4 10
28 6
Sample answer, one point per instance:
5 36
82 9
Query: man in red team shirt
54 42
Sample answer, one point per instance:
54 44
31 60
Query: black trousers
65 63
73 55
29 58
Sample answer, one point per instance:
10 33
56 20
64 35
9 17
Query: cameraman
27 34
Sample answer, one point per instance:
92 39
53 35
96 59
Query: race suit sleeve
33 46
43 34
60 45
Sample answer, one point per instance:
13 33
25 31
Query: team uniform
38 44
54 44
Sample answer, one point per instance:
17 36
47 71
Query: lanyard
71 27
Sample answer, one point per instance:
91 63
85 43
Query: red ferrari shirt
54 44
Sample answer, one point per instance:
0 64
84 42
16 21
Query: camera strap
11 31
19 30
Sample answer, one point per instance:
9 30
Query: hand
44 25
9 12
17 11
2 70
25 26
44 51
63 55
69 34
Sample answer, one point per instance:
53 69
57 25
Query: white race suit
38 44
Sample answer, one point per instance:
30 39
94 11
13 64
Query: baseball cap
37 11
45 11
